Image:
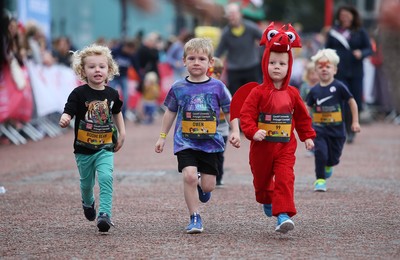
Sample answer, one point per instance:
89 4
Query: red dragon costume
279 112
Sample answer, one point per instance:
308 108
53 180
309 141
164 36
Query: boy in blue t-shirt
196 102
326 101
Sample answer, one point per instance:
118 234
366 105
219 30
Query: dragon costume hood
282 40
278 40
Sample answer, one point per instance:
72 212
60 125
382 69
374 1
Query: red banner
14 104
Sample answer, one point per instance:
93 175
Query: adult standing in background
148 57
175 55
389 23
124 56
240 40
352 44
148 54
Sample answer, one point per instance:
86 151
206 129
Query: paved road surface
41 215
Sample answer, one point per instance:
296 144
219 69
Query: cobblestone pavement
357 218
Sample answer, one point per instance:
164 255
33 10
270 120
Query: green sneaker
320 185
328 171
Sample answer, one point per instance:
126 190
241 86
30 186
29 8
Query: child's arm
234 137
167 121
355 125
120 124
65 120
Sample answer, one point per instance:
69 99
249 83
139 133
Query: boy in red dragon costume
269 113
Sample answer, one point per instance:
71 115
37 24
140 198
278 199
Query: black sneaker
104 222
90 212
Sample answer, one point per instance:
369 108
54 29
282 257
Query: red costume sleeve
249 114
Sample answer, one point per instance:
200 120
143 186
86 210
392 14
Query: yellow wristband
163 135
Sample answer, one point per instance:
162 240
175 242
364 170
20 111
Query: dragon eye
291 36
271 34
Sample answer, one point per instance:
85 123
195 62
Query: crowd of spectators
148 52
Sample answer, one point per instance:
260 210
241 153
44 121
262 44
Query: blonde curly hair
78 60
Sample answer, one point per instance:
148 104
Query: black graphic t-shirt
93 110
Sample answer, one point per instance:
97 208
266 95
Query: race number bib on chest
278 126
327 115
199 124
95 136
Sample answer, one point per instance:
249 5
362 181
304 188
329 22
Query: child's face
325 70
96 70
197 64
312 77
278 66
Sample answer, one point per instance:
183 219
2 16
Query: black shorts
205 162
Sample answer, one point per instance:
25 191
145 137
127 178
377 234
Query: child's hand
160 145
309 144
355 127
65 120
357 54
234 139
119 143
260 135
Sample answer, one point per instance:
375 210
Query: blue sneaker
320 185
328 171
89 211
284 224
203 196
267 209
195 226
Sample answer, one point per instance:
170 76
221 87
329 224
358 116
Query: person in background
196 102
124 56
13 41
99 129
35 45
310 79
238 40
325 101
389 24
223 128
62 51
175 53
151 93
352 43
148 54
148 57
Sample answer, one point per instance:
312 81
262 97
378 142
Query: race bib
327 115
278 126
199 124
96 136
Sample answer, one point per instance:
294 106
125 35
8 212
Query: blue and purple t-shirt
198 106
